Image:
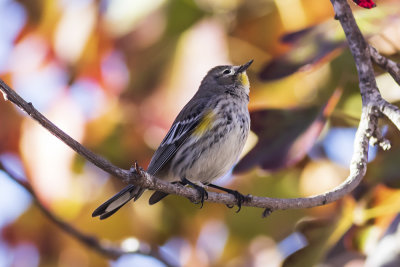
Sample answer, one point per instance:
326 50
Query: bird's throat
244 80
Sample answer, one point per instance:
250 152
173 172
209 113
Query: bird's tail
157 196
112 205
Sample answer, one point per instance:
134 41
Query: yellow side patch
244 80
205 124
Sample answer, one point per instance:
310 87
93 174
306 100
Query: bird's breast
213 154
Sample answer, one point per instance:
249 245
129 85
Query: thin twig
389 65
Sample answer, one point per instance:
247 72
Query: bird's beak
244 67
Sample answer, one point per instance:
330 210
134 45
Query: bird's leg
203 193
239 197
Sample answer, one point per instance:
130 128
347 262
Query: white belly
209 156
218 160
211 160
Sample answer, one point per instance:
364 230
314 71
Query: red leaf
365 3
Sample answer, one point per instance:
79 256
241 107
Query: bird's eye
227 71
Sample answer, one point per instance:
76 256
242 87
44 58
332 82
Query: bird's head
227 77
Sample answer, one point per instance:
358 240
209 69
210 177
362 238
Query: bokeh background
114 74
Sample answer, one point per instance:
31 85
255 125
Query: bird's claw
203 195
239 199
238 196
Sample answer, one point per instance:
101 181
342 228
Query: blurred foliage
114 74
295 132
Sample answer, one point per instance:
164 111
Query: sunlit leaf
315 45
311 46
321 235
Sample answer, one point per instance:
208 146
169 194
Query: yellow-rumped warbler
204 141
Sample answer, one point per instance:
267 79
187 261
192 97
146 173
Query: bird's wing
181 129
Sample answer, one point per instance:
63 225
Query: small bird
204 141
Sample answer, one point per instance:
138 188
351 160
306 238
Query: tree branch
99 161
373 107
360 51
139 177
92 242
390 66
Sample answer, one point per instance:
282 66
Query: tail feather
112 205
157 196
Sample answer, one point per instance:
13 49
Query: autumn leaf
365 3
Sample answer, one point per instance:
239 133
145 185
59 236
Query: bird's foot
240 198
203 193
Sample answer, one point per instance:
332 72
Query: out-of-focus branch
389 65
104 248
90 241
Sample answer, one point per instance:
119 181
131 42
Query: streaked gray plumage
205 139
